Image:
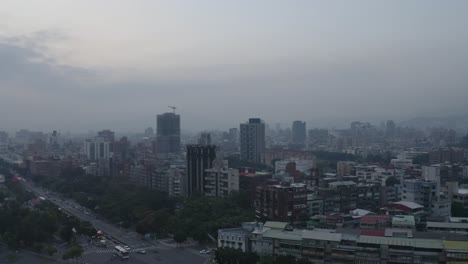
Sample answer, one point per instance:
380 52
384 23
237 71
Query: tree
285 260
73 252
66 233
458 210
38 247
51 250
391 181
11 240
180 237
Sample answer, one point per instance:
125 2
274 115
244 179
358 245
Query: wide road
158 252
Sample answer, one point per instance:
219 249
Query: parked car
141 251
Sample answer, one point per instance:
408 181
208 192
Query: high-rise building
199 158
3 137
107 135
299 132
97 148
390 128
205 139
252 139
168 133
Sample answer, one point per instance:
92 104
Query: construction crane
173 108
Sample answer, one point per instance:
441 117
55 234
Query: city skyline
128 61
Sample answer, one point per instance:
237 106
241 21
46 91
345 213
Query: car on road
203 251
127 248
141 251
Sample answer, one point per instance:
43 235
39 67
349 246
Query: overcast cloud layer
79 65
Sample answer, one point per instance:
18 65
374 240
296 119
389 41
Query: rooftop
356 213
275 225
446 225
284 235
403 220
456 245
462 191
373 219
408 242
342 183
410 205
321 235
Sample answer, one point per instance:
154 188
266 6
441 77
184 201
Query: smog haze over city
233 131
80 65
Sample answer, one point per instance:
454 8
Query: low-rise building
220 180
403 222
330 246
287 203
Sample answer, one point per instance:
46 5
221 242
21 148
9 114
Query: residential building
443 155
249 180
345 168
176 176
287 203
252 141
461 197
339 197
97 148
419 191
403 222
330 246
220 180
236 238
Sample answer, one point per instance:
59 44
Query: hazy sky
90 64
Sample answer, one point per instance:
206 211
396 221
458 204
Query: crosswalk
112 250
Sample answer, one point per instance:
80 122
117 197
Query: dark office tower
199 158
252 139
299 132
390 129
168 133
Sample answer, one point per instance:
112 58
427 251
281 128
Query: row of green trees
151 211
34 226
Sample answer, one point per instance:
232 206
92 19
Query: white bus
122 252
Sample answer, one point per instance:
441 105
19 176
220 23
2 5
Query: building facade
199 158
252 141
286 203
299 133
167 134
220 180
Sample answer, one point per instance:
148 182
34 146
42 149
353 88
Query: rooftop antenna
173 108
